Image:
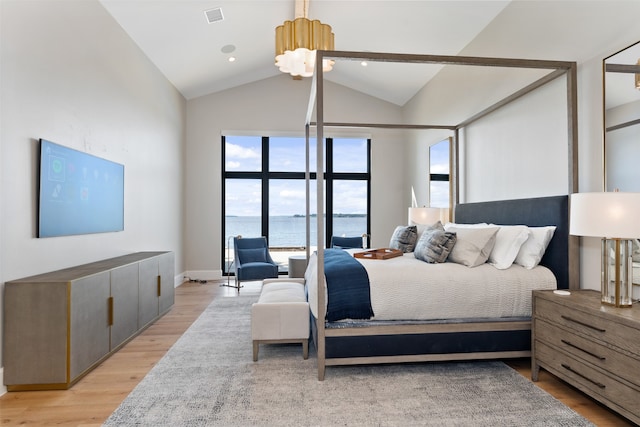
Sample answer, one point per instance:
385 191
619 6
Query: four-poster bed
391 342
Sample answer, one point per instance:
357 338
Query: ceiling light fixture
298 40
638 77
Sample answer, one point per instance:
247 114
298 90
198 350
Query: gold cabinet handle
110 308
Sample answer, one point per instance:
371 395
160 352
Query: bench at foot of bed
281 315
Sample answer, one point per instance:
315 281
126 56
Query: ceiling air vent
214 15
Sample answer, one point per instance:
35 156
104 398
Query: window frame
265 175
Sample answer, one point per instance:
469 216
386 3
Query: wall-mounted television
79 193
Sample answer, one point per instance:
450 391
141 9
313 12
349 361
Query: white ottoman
281 315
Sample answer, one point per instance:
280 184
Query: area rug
208 378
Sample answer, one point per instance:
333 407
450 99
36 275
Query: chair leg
255 350
236 285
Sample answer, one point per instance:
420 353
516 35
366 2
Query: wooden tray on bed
382 253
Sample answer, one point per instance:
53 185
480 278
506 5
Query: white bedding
405 288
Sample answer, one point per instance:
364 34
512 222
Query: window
439 174
264 192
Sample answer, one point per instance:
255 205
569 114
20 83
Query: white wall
519 151
278 106
71 75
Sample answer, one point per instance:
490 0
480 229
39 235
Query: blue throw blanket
347 287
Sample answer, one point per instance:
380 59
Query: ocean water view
288 231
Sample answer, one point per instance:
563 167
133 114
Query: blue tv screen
79 193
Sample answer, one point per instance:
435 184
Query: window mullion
328 178
265 187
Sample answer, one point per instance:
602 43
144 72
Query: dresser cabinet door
167 288
90 331
148 291
124 291
39 312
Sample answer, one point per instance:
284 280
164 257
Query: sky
286 154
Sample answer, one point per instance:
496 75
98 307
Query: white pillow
473 245
509 240
533 249
456 225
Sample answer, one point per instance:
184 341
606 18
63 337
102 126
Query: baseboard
201 275
3 388
178 280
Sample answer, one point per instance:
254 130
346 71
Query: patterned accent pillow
435 245
404 238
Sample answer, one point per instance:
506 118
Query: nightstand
594 347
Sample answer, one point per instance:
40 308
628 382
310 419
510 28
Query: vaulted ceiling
193 53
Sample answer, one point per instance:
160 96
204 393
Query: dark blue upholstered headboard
534 212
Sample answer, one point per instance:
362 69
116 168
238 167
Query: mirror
440 174
622 129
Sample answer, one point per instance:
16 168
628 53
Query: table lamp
614 217
428 216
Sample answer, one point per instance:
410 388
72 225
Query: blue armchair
252 260
346 242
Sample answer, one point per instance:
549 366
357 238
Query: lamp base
617 272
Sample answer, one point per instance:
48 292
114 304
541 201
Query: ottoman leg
255 350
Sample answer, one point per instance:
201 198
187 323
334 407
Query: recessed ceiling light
231 59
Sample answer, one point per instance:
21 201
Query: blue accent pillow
252 255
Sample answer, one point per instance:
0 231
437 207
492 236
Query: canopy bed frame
429 341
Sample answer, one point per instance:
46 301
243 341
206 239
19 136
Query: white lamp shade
428 216
612 215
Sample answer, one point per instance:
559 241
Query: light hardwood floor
96 396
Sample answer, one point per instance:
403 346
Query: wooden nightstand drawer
597 384
590 324
593 347
588 350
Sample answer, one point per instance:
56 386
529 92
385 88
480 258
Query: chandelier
298 40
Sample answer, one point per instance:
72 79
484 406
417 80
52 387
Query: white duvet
405 288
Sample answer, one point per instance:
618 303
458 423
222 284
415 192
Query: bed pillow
421 228
448 225
533 249
434 245
473 245
509 240
635 254
404 238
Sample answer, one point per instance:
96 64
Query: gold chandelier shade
296 43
